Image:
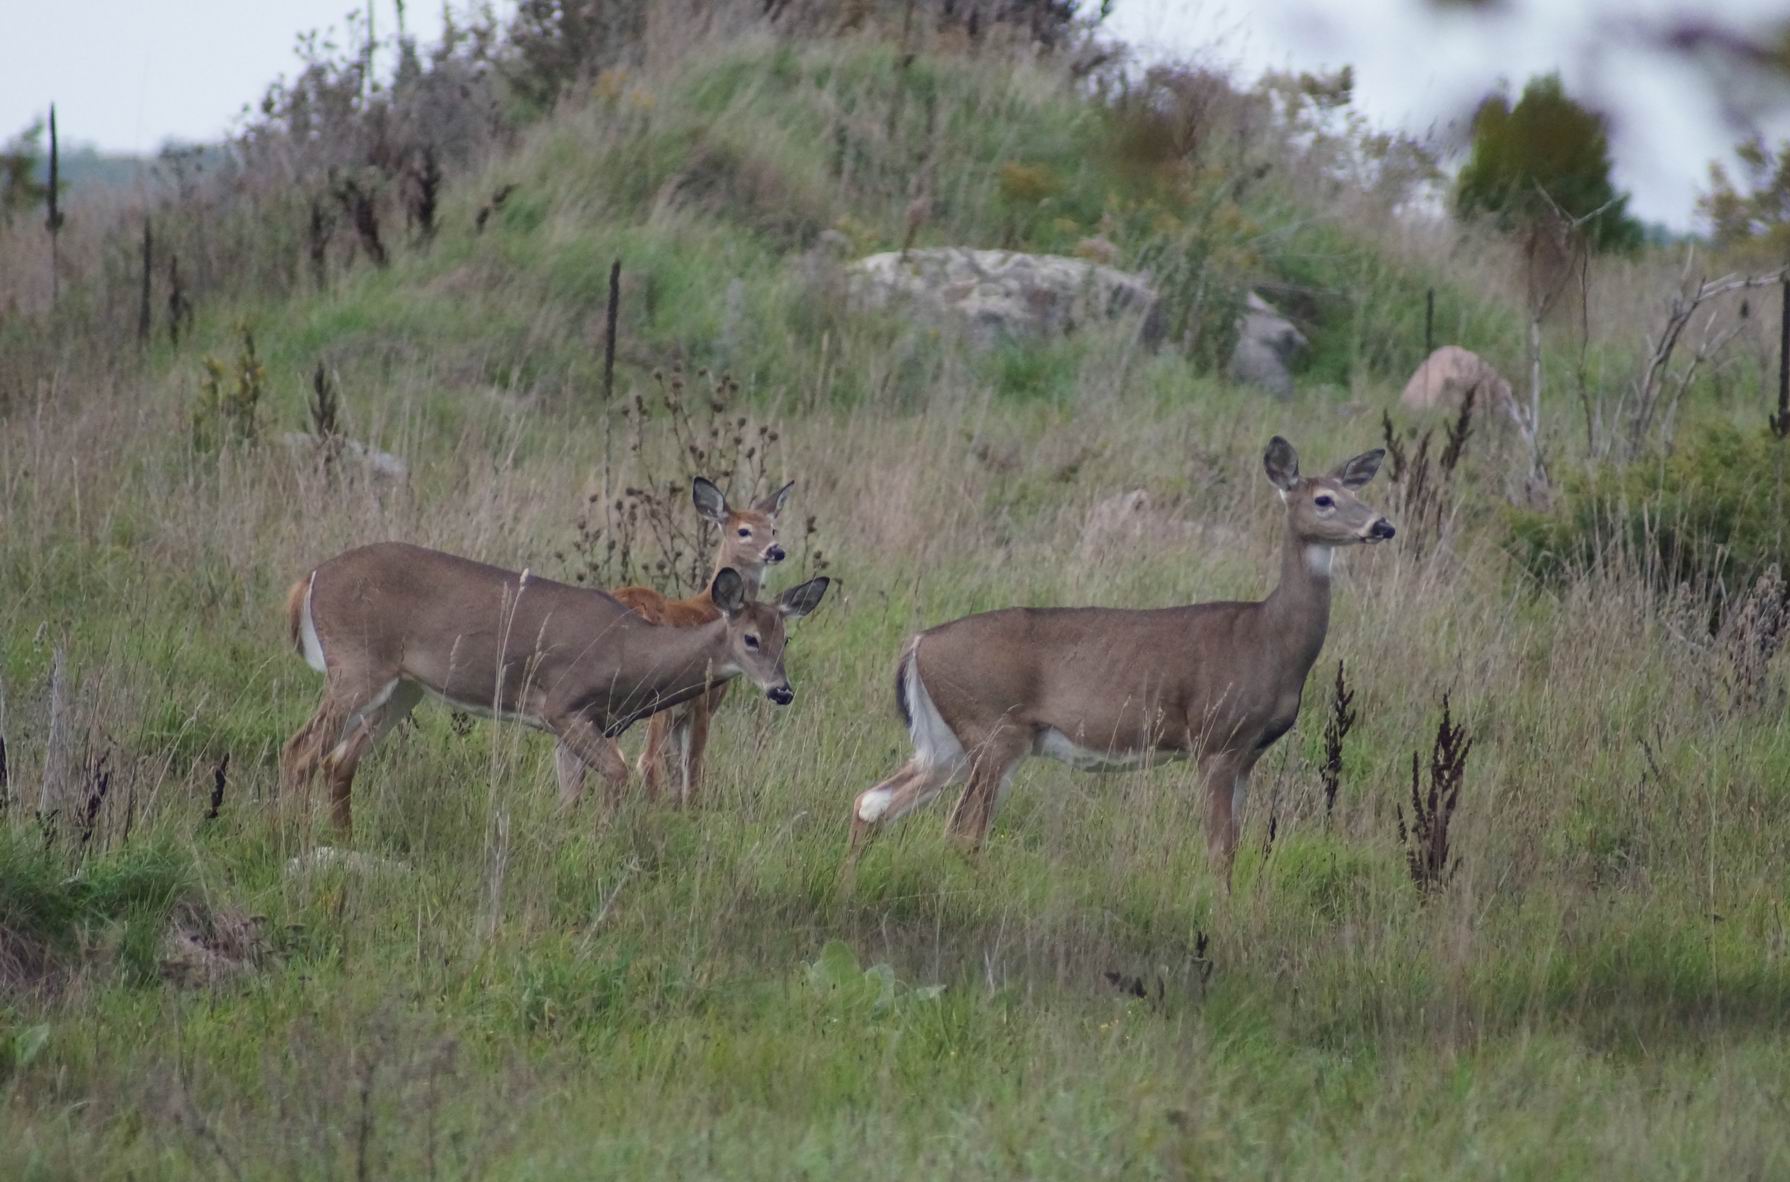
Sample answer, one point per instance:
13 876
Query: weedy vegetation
1566 956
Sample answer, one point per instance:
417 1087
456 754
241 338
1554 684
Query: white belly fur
1054 744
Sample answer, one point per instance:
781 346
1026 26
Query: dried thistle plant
1426 841
648 533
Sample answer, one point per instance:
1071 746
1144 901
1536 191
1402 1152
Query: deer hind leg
304 751
991 768
364 727
900 794
582 745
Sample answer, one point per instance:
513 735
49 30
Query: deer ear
1354 473
1281 463
799 601
773 504
728 591
709 500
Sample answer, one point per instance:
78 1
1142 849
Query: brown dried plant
1426 842
1336 729
648 532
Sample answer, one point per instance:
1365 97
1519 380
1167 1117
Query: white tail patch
307 631
934 743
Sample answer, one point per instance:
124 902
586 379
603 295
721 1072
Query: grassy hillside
190 986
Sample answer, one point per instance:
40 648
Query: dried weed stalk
1425 486
649 532
1425 840
1336 729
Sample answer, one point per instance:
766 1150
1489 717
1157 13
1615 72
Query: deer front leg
1227 779
652 755
582 741
695 737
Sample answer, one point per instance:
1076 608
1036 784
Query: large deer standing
1104 688
386 623
749 545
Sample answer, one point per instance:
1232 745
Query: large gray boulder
1268 346
1001 294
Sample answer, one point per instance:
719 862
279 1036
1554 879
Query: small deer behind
1102 688
749 545
386 623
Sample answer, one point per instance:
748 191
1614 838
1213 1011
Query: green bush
1711 512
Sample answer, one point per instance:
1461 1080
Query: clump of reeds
1428 851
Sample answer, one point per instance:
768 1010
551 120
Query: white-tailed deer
748 545
1104 688
387 622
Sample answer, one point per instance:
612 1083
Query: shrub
1709 513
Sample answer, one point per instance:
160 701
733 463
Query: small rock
382 464
326 857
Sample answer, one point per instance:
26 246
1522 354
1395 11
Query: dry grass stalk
1336 729
1426 841
1426 493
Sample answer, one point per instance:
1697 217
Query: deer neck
1297 612
683 661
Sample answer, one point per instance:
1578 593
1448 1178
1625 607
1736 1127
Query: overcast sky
130 74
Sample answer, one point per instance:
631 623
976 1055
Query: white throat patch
1318 560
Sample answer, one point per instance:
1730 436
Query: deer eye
1324 501
745 533
751 641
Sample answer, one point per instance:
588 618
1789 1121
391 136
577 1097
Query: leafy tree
19 158
1548 151
1752 217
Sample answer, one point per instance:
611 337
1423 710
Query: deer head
756 631
1324 510
748 536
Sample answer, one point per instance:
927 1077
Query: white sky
1421 69
130 74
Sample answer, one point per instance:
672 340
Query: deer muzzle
781 694
774 554
1380 531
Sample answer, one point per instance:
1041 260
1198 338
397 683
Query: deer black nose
774 554
782 695
1382 529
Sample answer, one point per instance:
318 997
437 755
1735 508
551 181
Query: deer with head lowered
1104 688
386 623
748 545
